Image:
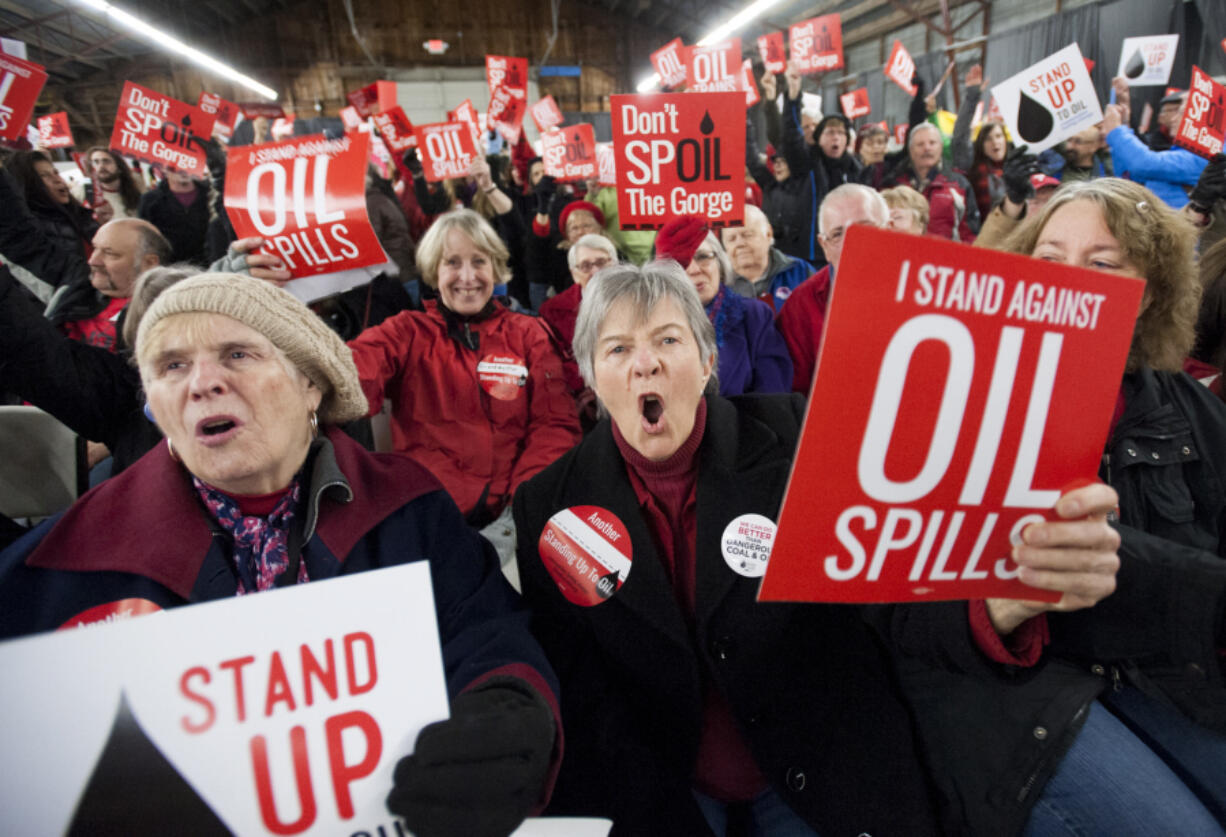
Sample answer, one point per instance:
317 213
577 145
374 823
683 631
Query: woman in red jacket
477 390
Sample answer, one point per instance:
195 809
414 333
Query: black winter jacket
185 227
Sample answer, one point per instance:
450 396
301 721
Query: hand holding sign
1075 557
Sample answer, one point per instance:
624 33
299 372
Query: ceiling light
161 39
719 33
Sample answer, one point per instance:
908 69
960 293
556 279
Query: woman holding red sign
688 707
1110 719
478 394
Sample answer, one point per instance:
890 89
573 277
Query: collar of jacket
147 520
459 326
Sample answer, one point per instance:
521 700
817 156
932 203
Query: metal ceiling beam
56 26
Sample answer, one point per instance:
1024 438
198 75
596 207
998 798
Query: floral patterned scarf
261 544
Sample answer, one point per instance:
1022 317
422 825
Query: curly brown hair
1160 242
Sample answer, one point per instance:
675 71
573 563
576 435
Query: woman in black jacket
1110 719
60 216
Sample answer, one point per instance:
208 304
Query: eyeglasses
592 266
703 256
836 235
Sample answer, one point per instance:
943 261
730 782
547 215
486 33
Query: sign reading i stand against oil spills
679 154
1049 101
586 550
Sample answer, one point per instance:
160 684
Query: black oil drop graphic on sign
1135 65
1034 122
134 789
707 125
606 585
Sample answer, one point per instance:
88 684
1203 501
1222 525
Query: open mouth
215 428
652 409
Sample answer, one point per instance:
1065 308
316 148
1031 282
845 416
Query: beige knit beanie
288 324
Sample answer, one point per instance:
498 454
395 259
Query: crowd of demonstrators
532 367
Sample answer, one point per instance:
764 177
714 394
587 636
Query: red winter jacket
482 420
561 311
801 320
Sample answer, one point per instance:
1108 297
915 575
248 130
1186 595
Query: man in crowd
801 320
179 208
1168 174
762 270
115 192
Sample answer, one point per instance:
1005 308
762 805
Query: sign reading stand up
1049 101
984 388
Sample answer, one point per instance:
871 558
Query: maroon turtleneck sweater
724 768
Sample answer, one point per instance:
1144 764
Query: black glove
1018 168
413 163
917 81
546 190
480 772
1211 187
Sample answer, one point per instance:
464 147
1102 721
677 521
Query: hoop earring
314 425
170 447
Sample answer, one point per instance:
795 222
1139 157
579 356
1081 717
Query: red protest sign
160 130
350 118
770 47
467 114
817 44
669 62
855 103
984 387
307 196
570 153
715 68
255 110
1203 126
20 83
679 154
82 164
900 133
546 114
225 114
504 71
506 113
605 164
901 68
396 129
749 84
446 148
365 100
53 131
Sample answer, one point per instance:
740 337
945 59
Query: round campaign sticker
502 376
104 614
586 550
746 544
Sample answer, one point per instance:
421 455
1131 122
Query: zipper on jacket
1117 683
1028 785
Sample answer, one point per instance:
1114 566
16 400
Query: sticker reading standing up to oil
746 544
586 550
502 376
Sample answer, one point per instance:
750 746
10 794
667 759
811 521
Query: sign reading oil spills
1049 101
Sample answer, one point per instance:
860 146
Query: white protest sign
1049 101
279 713
1147 61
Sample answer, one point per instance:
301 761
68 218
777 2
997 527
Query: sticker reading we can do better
502 376
586 550
746 544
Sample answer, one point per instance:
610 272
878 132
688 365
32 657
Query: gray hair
593 241
754 215
917 129
726 274
868 196
148 286
643 288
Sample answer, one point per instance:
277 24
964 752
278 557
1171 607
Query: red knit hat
576 206
680 238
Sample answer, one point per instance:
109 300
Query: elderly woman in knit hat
752 354
547 245
255 488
